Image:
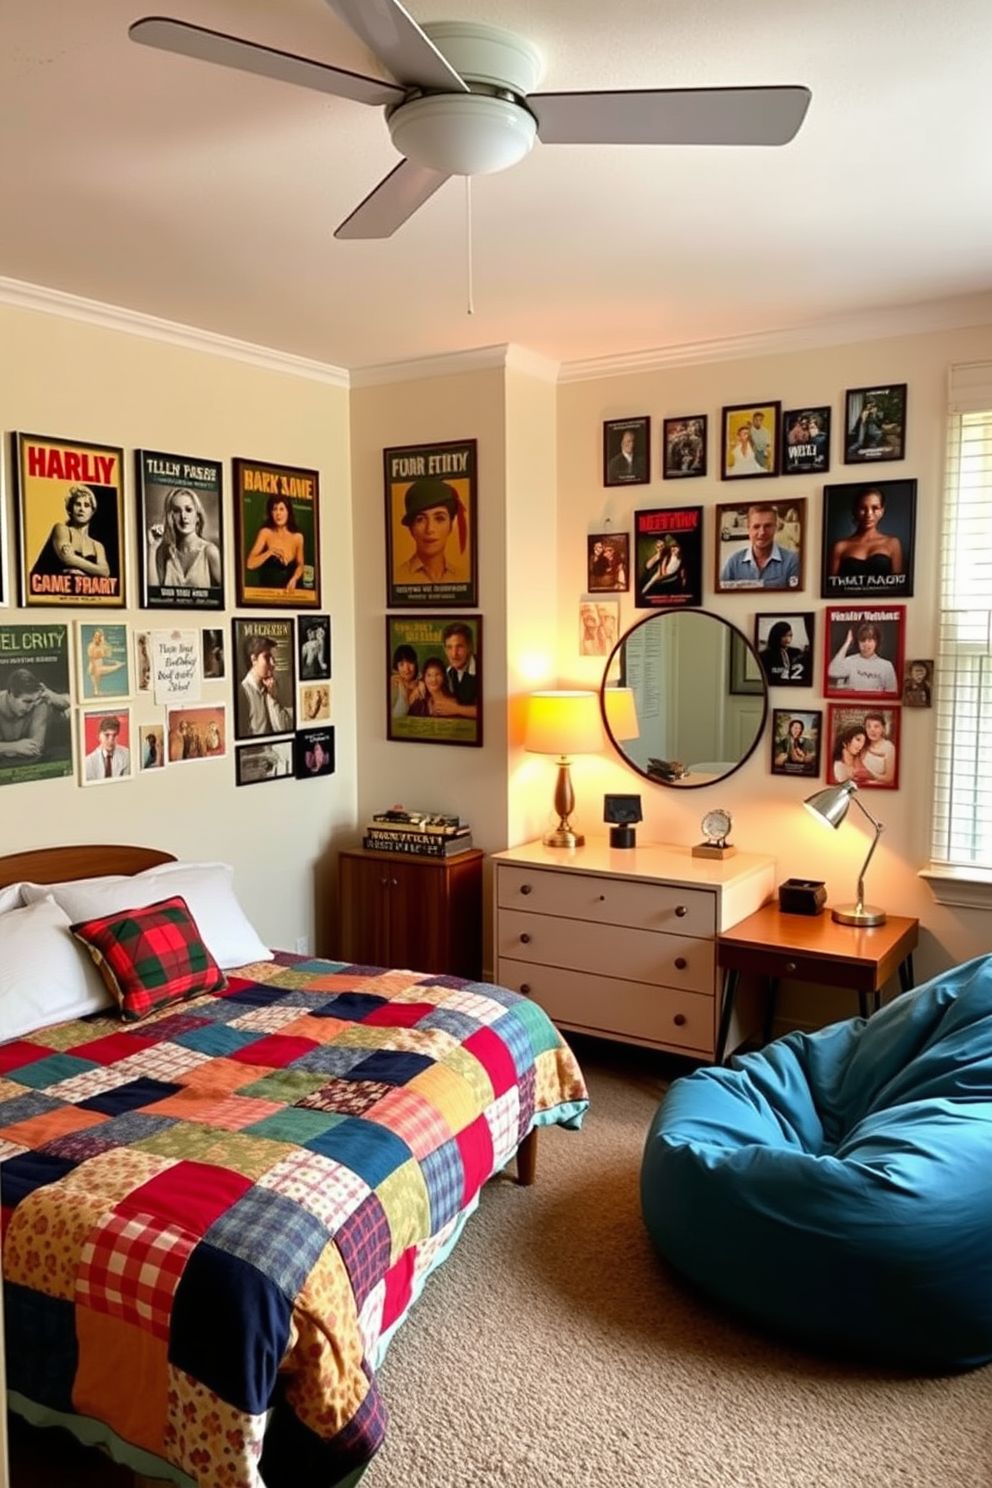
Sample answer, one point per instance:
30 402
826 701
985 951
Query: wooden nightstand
424 914
813 948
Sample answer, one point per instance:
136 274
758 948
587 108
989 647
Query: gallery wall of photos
761 540
89 695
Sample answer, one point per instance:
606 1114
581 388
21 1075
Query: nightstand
399 909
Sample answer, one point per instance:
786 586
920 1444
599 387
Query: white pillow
208 889
45 975
10 898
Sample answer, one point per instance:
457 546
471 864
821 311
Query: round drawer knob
790 966
525 939
679 1020
525 888
681 963
525 988
681 911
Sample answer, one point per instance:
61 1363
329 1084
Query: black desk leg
770 1005
731 981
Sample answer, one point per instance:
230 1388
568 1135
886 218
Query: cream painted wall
766 809
78 380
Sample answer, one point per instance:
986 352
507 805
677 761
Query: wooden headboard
52 864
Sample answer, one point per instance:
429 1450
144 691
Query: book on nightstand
426 844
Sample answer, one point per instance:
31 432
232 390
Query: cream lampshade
563 723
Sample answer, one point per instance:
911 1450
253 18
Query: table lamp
563 723
620 711
831 806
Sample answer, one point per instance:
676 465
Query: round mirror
690 700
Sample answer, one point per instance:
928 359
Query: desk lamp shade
563 724
621 712
831 806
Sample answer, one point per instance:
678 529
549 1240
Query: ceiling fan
462 101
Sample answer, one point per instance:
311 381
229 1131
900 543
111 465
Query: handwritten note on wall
175 666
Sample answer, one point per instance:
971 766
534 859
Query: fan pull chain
470 306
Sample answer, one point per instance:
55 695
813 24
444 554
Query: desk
813 948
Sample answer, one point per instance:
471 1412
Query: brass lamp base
563 836
858 914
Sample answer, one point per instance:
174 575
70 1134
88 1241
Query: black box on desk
802 896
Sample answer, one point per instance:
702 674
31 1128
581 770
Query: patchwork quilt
214 1217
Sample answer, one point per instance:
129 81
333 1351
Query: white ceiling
209 198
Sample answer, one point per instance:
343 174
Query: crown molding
501 358
878 325
36 297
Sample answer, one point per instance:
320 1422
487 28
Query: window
962 818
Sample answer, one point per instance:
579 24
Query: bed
223 1188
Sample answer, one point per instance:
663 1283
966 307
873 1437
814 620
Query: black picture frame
264 578
313 753
420 479
786 655
428 642
796 742
619 467
757 458
261 764
847 575
314 660
668 551
742 527
684 445
806 440
170 578
281 632
608 563
875 424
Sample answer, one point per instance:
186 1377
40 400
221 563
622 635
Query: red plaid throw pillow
151 957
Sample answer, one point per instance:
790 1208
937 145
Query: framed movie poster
784 643
683 447
103 656
869 540
864 652
750 440
434 679
608 563
627 452
875 424
276 535
313 753
256 764
69 503
197 732
668 552
760 545
806 441
314 641
180 531
796 742
35 703
105 745
264 677
864 745
432 554
917 683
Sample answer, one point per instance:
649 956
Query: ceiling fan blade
671 116
395 199
249 56
401 46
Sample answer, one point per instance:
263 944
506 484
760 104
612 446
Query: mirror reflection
692 701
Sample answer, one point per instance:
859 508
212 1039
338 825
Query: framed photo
599 626
69 501
264 677
608 562
315 702
917 684
196 733
683 447
863 652
746 676
151 746
750 440
784 644
869 540
668 548
434 679
105 745
796 742
35 703
806 441
313 633
212 657
432 554
313 753
864 745
875 424
256 764
626 452
760 545
143 661
180 531
103 660
276 535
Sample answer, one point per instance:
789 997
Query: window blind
962 812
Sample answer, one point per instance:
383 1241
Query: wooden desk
813 948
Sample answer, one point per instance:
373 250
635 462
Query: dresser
622 942
422 914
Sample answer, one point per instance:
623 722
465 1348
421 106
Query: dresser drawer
606 901
608 950
611 1008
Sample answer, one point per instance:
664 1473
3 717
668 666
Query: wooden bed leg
527 1159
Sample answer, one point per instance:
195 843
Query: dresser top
657 861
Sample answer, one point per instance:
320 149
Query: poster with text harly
70 522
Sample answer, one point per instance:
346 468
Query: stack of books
421 832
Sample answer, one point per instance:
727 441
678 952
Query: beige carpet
554 1348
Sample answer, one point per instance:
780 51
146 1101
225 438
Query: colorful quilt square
412 1118
111 1047
503 1117
445 1179
287 1086
270 1019
476 1148
18 1053
351 1097
399 1014
46 1371
331 1059
189 1195
294 1126
350 1007
277 1051
20 1176
404 1198
25 1105
130 1267
39 1130
496 1057
133 1096
391 1066
247 1157
52 1070
364 1243
216 1039
271 1232
450 1092
367 1149
112 1350
326 1189
45 1236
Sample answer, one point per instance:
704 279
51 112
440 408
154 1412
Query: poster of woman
277 535
864 652
70 522
180 522
868 540
864 746
796 742
431 523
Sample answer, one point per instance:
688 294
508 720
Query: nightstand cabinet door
421 914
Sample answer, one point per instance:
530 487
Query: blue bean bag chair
837 1186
